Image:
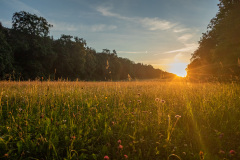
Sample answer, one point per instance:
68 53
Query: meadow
119 120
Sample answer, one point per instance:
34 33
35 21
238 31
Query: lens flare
179 69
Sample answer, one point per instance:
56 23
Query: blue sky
162 33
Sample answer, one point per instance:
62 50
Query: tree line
218 54
27 52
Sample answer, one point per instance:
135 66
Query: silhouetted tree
6 55
28 53
30 24
219 48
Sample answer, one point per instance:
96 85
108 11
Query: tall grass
86 120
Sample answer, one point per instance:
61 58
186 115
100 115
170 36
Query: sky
162 33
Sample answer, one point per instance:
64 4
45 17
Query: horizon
162 34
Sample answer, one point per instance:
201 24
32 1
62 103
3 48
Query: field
119 120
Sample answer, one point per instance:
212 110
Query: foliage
27 52
6 55
219 48
30 24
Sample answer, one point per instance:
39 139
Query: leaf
132 137
84 150
19 145
94 156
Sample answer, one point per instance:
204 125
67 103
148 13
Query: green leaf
94 156
19 145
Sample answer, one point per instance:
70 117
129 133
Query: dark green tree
6 55
219 48
90 65
32 47
26 51
30 23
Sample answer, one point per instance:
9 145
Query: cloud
102 27
185 37
62 26
151 24
188 48
179 30
105 12
20 6
156 24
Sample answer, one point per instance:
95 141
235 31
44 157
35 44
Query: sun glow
179 69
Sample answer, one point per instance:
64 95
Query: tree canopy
30 24
217 56
27 52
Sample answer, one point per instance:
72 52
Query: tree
27 51
31 46
90 65
6 56
30 23
219 48
78 54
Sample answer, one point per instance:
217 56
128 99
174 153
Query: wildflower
106 158
139 101
113 123
221 135
232 152
119 141
221 152
157 99
178 116
120 147
163 101
6 155
73 137
20 109
125 156
201 155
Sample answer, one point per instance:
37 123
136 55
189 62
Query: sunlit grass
86 120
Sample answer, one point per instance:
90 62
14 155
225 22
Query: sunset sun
179 69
